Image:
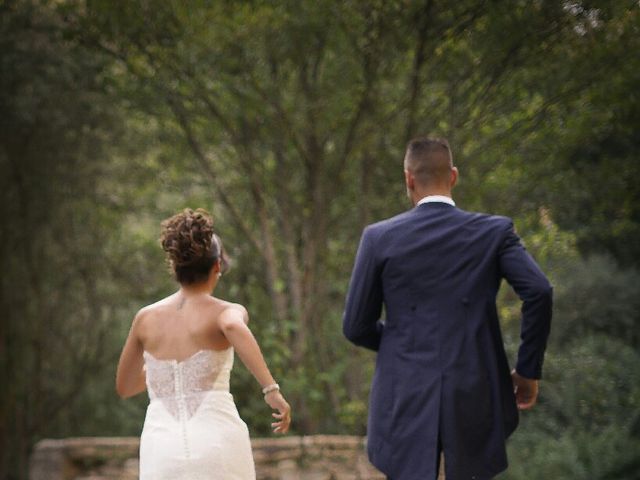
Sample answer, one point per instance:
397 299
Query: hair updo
191 245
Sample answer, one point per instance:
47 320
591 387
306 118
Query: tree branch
205 164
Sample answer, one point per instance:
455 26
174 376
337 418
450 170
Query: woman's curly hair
191 245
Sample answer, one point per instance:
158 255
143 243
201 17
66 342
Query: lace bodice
182 385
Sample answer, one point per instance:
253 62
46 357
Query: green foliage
597 296
288 120
586 423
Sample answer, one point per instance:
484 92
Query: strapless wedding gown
192 429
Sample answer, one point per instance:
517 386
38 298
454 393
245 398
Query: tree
58 293
280 105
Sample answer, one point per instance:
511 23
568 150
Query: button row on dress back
182 413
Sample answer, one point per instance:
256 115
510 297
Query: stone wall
319 457
316 457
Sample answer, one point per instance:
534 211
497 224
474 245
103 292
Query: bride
181 350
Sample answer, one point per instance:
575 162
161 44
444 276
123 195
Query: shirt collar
436 198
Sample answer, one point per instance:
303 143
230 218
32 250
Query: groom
442 384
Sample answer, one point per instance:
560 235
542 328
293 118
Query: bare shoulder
140 323
234 309
148 312
232 312
142 315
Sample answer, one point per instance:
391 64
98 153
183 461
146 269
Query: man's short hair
429 160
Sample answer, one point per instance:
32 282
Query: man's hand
526 390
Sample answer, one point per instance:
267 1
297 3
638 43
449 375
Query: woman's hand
277 402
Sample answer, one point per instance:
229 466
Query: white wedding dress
192 429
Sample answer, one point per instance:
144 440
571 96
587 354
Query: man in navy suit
442 384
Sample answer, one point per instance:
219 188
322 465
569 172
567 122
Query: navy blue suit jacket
441 369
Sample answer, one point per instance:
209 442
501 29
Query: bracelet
270 388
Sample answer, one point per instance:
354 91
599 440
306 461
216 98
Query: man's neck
418 196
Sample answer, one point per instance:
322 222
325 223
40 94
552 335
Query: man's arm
535 291
364 299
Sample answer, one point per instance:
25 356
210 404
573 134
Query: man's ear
454 176
409 180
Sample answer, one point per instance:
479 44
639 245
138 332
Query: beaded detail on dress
182 385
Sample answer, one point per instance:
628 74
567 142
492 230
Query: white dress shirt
436 198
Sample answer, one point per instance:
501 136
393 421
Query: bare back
177 327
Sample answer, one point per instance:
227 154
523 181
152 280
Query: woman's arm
130 377
233 323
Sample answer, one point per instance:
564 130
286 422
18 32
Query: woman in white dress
181 351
